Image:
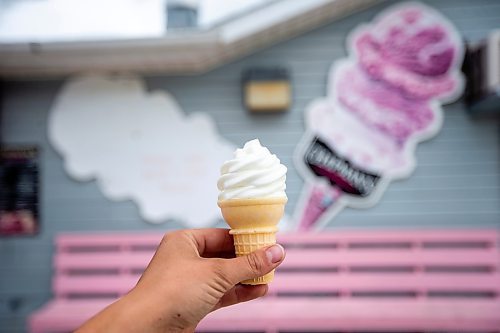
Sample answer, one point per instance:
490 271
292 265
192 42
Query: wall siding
456 183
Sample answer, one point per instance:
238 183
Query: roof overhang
183 52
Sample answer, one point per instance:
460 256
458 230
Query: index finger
213 241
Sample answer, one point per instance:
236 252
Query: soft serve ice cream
253 173
252 199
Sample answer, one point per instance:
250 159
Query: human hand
192 273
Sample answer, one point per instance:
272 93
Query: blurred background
235 71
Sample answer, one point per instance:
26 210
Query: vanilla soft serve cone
252 199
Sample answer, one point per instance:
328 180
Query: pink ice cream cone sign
381 102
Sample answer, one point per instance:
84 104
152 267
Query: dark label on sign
325 162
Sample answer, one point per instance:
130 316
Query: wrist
156 311
137 312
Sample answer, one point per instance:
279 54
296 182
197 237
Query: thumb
257 263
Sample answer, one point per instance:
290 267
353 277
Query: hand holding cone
253 225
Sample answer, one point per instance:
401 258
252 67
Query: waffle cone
253 225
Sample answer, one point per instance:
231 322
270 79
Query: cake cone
253 225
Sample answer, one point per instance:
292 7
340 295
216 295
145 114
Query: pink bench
382 281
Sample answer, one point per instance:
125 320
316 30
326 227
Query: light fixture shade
266 89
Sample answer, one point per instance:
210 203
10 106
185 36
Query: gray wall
456 184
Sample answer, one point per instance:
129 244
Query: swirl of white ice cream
253 173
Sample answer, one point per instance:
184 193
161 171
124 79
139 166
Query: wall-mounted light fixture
266 89
482 70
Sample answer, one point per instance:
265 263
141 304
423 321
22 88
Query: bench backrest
376 264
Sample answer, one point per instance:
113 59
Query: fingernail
275 253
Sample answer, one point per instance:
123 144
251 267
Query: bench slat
61 315
310 283
342 237
308 314
115 260
346 283
391 236
65 241
305 258
391 257
322 314
94 285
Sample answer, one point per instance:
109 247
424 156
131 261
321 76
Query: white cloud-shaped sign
140 146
